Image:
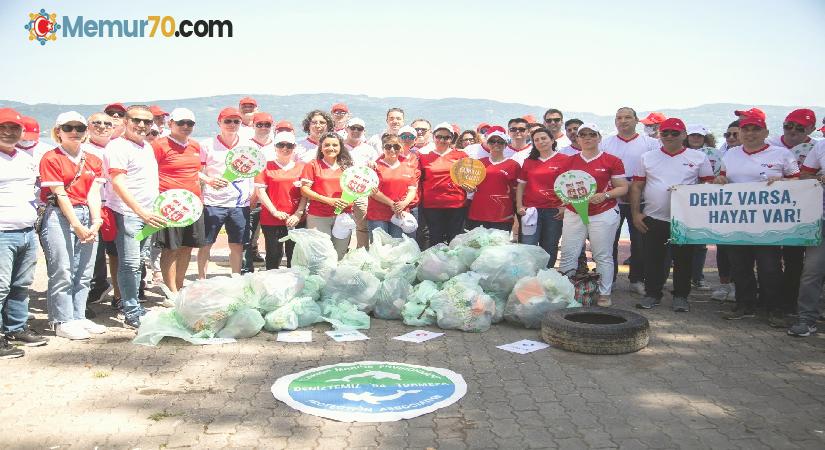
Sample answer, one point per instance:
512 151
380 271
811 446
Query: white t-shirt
375 141
769 161
427 148
563 141
246 132
37 150
477 151
305 150
799 151
715 158
660 170
518 154
137 162
213 157
362 154
569 150
267 149
18 173
631 151
815 163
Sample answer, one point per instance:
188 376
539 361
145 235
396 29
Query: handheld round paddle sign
357 182
576 187
179 207
468 172
243 162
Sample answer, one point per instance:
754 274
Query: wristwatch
607 195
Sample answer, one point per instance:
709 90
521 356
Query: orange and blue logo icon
42 26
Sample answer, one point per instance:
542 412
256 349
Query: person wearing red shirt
536 181
179 166
397 188
282 205
492 202
609 173
442 200
70 179
321 185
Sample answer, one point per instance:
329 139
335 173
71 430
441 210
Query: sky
572 55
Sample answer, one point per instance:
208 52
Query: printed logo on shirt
769 166
688 164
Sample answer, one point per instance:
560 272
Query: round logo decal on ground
370 391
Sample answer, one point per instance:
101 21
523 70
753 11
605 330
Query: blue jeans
129 262
548 233
391 228
18 255
700 252
69 265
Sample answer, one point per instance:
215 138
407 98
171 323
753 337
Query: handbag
51 199
585 286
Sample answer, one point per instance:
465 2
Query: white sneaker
604 301
91 327
637 287
723 292
72 330
701 285
166 303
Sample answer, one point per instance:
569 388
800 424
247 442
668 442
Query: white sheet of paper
295 336
523 346
346 335
418 336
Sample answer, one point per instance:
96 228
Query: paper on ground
418 336
295 336
346 335
523 346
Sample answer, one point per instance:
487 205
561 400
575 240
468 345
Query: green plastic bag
461 304
391 297
502 266
417 311
533 297
244 323
439 263
205 305
390 251
313 251
313 285
297 313
158 324
270 289
469 244
344 316
346 283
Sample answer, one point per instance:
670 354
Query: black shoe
777 320
738 313
117 303
90 314
258 258
8 351
27 337
133 322
626 262
96 294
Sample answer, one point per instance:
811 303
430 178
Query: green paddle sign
576 187
243 162
357 182
179 207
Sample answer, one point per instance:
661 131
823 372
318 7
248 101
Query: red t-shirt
412 160
493 200
326 181
56 169
540 178
283 187
437 188
394 182
603 167
178 165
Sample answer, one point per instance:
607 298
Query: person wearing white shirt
423 139
247 106
553 120
395 120
315 124
656 174
31 143
571 128
519 148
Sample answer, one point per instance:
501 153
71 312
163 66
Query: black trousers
250 246
768 260
792 259
723 261
654 244
275 250
444 223
506 226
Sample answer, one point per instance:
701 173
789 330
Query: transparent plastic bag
362 260
391 297
417 311
502 266
352 285
533 297
205 305
461 304
158 324
274 288
469 244
313 285
344 316
313 251
244 323
439 263
297 313
390 251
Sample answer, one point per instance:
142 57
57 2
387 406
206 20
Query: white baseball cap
70 116
343 226
285 136
697 129
407 129
590 126
356 121
406 222
182 114
443 126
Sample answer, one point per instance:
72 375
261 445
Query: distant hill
465 112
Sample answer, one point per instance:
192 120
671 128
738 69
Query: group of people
85 199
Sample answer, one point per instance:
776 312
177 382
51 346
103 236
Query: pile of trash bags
479 279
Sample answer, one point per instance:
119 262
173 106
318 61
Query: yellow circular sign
468 171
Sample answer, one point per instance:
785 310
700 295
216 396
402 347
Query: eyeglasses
787 126
339 113
732 134
667 133
318 122
115 114
100 123
407 137
588 135
154 133
231 121
443 137
496 142
554 120
66 128
422 130
185 123
263 125
137 121
285 145
518 129
395 147
468 139
356 128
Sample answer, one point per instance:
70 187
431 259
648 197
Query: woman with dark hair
536 191
321 185
397 188
492 203
315 124
467 137
442 200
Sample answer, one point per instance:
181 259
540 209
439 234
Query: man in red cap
116 111
284 125
755 112
18 247
159 117
30 143
657 172
262 122
651 123
340 116
248 106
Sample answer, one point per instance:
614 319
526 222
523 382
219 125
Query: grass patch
158 416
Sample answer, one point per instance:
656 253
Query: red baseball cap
751 112
804 117
481 126
751 119
8 115
157 111
339 107
456 128
529 118
248 100
262 117
229 112
654 118
111 106
494 128
672 124
284 125
30 125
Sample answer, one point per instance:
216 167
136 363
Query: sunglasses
792 126
496 142
422 130
468 139
667 133
116 114
231 121
100 123
136 121
518 129
339 113
154 133
554 120
66 128
483 130
356 128
186 123
285 145
263 125
443 137
731 134
407 137
395 147
588 135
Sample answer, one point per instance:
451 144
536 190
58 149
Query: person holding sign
442 199
321 184
492 204
282 206
226 202
397 188
755 161
658 172
536 181
590 185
